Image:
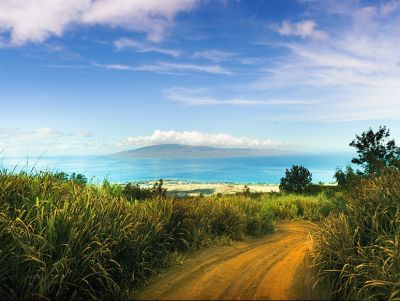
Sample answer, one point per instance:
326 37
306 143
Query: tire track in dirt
261 269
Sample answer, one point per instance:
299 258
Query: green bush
297 179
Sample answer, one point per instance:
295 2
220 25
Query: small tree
297 179
135 192
78 179
375 151
158 190
347 177
246 190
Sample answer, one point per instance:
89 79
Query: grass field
61 239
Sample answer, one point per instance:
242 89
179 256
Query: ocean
236 170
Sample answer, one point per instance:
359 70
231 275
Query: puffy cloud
196 138
304 29
37 20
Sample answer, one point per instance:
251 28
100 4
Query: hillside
188 151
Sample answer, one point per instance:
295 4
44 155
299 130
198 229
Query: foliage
77 178
358 252
63 240
158 190
246 190
297 179
347 178
135 192
375 150
285 206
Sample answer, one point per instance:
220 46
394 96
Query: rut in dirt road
267 268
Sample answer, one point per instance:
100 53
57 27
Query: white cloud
304 29
215 69
355 74
119 67
213 55
168 68
38 20
195 97
124 43
43 141
196 138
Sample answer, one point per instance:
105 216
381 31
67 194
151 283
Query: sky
99 76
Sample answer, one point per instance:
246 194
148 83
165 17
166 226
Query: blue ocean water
236 170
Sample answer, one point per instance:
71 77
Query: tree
297 179
135 192
78 179
375 151
246 190
347 177
158 190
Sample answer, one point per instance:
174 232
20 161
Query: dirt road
267 268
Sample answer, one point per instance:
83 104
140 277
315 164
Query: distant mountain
188 151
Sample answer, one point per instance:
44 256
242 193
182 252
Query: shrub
135 192
297 179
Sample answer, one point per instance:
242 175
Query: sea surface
236 170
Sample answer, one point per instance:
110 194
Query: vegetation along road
269 268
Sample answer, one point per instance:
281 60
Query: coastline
191 188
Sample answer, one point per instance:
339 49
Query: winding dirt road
269 268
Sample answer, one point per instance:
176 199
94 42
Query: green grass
60 239
358 252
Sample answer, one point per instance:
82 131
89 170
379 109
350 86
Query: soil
271 268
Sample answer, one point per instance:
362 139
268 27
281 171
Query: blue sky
98 76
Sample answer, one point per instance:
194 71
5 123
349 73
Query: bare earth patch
273 267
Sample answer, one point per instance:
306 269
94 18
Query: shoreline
192 188
196 188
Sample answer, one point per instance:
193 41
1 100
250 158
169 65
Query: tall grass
297 206
61 239
358 252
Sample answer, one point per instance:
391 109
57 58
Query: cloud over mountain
196 138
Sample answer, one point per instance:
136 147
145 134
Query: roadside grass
357 253
62 239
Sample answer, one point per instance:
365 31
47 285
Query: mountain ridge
189 151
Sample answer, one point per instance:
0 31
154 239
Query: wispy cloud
17 141
196 97
214 55
165 67
36 21
126 43
196 138
354 73
214 69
